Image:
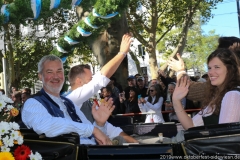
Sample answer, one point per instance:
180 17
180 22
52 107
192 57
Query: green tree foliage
28 40
52 20
198 45
158 18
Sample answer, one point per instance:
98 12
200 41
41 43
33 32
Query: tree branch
163 35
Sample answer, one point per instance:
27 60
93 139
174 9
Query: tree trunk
106 46
10 71
17 79
182 42
134 57
151 49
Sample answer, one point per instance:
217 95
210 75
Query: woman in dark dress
130 105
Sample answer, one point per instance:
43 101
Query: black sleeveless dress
212 119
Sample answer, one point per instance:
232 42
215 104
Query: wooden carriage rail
164 112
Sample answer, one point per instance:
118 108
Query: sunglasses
151 90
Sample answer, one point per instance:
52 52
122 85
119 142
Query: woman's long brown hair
214 94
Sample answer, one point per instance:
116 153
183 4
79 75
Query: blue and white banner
87 21
83 32
76 2
36 8
70 41
139 9
54 4
5 12
60 49
64 59
104 17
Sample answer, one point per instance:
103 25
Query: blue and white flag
83 32
54 4
36 8
87 21
5 12
139 9
60 49
70 41
76 2
64 59
104 17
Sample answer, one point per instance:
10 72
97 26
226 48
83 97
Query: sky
225 20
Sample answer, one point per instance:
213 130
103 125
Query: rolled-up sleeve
82 94
112 131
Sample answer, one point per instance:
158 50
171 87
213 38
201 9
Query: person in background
107 93
164 79
142 90
205 76
137 75
17 100
130 104
146 83
154 81
152 105
116 84
25 96
131 84
169 105
114 90
26 93
13 89
2 90
26 90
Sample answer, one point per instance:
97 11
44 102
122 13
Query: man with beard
49 113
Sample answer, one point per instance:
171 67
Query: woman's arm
142 107
155 106
179 93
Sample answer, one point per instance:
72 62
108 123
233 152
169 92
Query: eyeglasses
151 90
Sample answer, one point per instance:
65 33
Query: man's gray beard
53 90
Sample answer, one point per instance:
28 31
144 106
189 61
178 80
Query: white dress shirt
230 109
154 110
82 94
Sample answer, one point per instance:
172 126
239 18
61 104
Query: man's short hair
47 58
27 91
108 89
75 71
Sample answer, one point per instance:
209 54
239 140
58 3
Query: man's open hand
102 112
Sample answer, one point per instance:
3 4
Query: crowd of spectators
140 93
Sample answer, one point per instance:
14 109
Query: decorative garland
103 13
